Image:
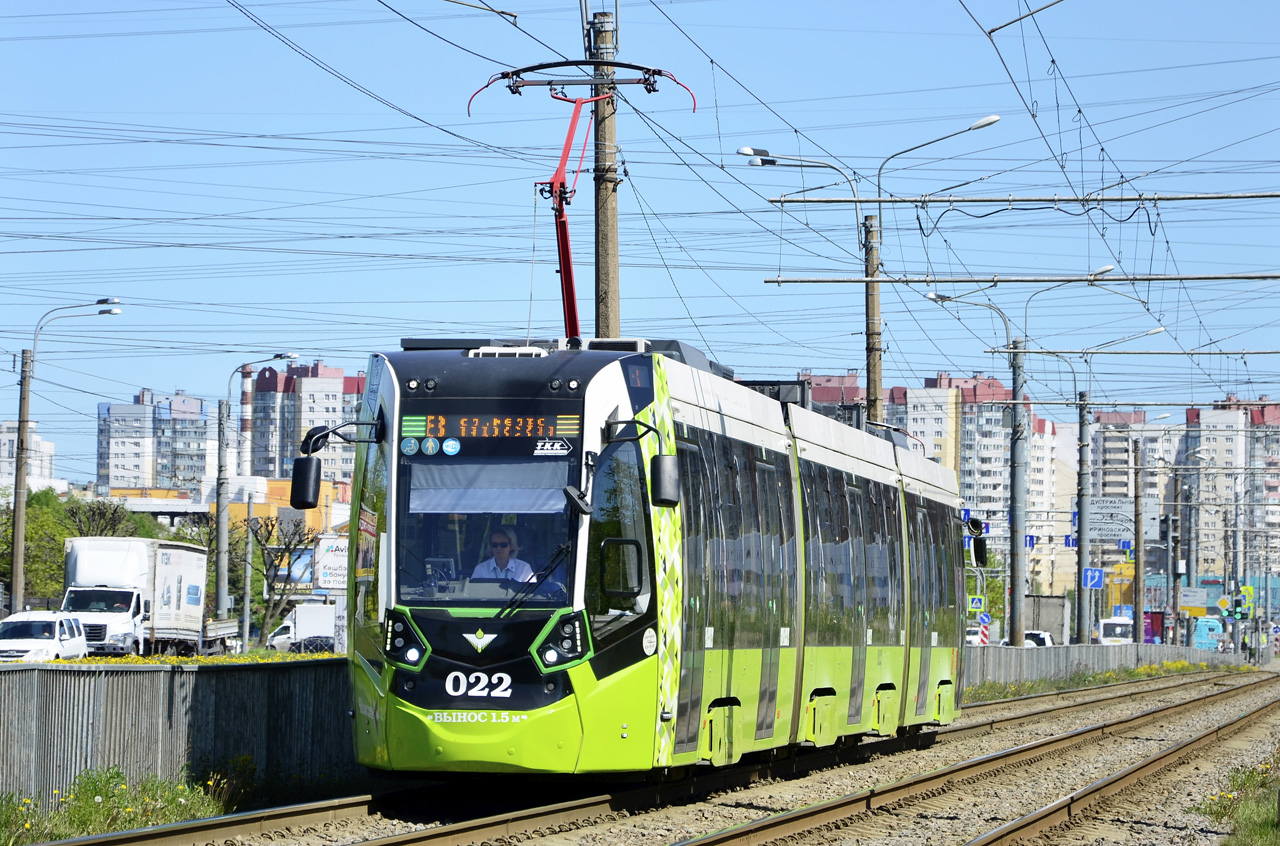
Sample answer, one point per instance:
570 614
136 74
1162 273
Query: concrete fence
1004 664
285 725
279 724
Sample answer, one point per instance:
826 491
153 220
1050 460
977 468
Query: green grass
994 691
102 801
1249 803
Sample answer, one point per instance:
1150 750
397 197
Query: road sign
964 514
975 603
1093 577
1029 541
1275 630
1224 602
985 619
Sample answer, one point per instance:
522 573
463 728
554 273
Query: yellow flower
27 825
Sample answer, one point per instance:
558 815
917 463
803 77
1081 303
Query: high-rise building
157 441
287 404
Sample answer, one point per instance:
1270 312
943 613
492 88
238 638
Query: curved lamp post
224 414
1017 472
20 453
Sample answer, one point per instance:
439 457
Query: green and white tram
692 572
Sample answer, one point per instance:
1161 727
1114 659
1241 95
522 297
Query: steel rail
834 811
1066 809
226 828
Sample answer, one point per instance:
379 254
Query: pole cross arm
516 81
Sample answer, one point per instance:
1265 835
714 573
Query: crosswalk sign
975 603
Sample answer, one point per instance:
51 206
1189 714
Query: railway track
348 819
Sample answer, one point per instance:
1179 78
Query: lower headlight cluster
565 641
402 643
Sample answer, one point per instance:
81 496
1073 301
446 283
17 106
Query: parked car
973 636
1032 637
42 636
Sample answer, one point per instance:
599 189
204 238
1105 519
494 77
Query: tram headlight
402 644
564 641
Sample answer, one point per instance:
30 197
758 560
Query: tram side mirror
664 480
979 543
577 500
304 491
620 568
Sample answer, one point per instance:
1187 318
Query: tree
280 541
99 518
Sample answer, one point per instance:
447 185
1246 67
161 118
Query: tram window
857 528
749 611
617 524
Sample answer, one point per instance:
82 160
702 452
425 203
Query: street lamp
875 407
224 414
760 157
20 454
763 158
1017 467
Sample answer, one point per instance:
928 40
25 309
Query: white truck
309 627
138 596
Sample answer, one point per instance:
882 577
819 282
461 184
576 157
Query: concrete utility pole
1083 623
871 259
1175 545
1139 589
19 545
246 611
608 321
1018 496
222 597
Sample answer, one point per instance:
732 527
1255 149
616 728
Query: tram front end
502 607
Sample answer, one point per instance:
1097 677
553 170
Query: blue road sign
986 528
1093 577
984 618
1029 541
975 603
1125 544
1070 541
964 514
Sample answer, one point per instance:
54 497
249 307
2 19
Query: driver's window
619 584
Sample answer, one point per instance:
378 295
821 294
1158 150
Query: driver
503 564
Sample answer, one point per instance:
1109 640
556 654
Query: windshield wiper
526 589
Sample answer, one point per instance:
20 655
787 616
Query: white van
1115 630
35 636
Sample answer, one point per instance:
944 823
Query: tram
605 555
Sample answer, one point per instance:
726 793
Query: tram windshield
483 531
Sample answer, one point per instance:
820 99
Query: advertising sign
330 567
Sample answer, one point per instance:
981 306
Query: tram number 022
478 684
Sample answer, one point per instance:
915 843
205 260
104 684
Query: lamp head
752 151
108 301
936 297
289 355
985 122
1106 268
108 311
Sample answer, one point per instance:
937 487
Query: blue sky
241 200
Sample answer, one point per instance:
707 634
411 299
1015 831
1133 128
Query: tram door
924 584
693 664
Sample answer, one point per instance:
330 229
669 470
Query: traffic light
1237 606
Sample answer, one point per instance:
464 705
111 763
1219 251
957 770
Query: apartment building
157 441
40 454
286 404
